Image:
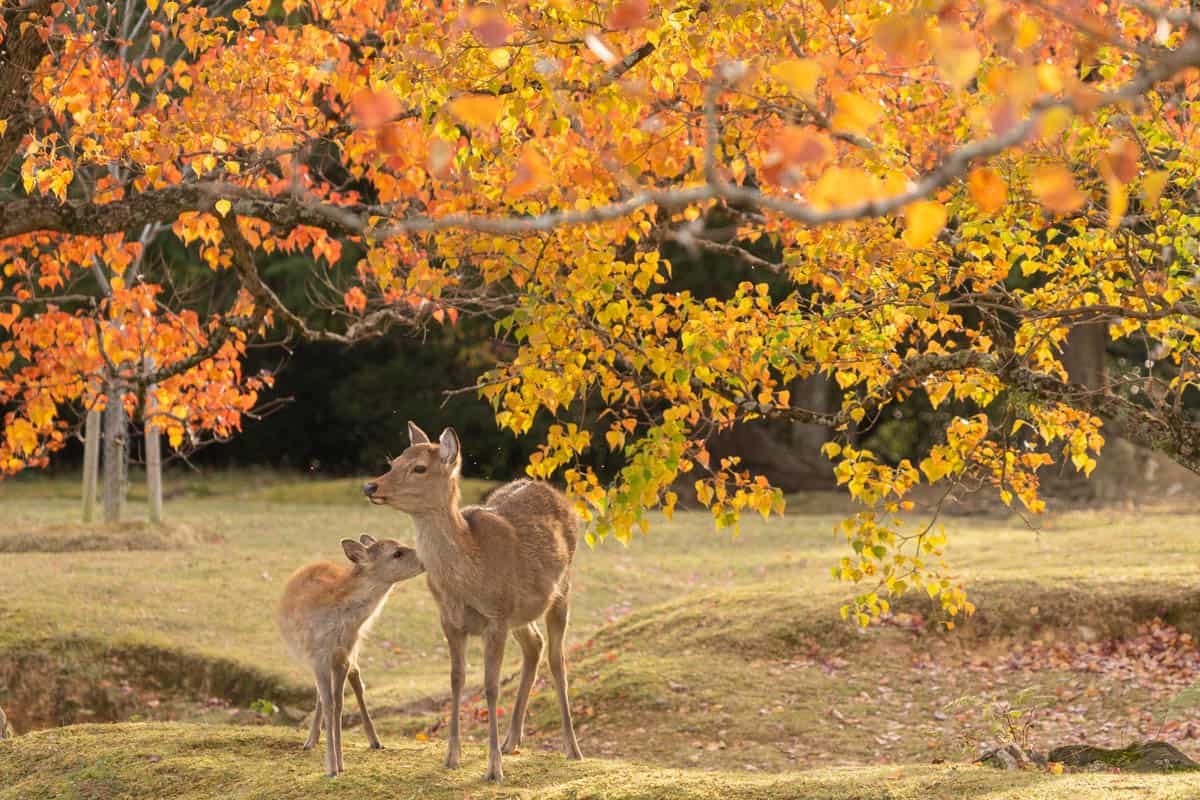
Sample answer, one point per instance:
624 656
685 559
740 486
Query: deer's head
384 561
423 478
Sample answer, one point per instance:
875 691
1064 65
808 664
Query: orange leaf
490 27
477 110
532 173
355 300
794 149
374 108
1054 187
1121 159
988 189
629 14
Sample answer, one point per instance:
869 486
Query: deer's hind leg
314 731
530 639
360 692
556 628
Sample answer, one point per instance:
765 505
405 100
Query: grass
691 650
196 763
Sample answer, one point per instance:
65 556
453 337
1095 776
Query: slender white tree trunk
153 459
116 454
91 464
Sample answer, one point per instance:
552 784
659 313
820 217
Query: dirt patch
75 538
59 682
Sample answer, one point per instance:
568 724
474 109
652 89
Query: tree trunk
1084 352
116 454
91 464
153 463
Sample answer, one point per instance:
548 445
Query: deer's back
526 537
308 613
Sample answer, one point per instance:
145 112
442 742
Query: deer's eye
419 468
398 554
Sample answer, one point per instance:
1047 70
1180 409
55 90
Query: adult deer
491 569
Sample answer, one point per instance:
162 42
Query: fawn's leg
493 658
325 687
340 670
457 642
556 627
530 639
359 690
314 732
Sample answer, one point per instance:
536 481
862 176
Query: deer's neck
362 599
444 542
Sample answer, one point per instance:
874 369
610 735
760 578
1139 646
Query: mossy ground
691 650
192 762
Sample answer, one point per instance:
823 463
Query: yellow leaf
923 221
1054 187
153 5
933 589
1118 202
988 189
476 110
800 75
1055 767
500 58
957 58
3 126
223 206
1153 185
1055 121
1028 32
855 114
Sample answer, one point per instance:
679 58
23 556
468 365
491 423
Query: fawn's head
383 561
423 478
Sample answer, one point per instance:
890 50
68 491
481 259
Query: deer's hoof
376 745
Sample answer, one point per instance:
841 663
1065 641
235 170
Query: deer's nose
370 489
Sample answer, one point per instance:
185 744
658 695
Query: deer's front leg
456 639
493 658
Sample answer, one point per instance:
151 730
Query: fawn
491 569
325 611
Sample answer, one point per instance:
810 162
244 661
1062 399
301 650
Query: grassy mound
187 762
74 538
51 682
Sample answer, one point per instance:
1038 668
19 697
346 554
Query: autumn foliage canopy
945 189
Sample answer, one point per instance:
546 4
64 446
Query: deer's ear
448 446
416 435
367 540
354 551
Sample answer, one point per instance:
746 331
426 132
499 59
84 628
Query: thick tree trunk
91 464
116 454
1084 354
815 393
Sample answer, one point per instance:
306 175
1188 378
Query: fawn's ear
448 447
354 551
367 540
416 435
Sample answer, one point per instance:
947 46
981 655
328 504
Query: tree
945 190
